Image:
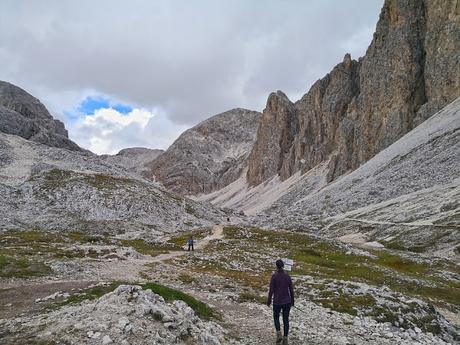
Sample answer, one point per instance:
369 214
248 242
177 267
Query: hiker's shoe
279 338
285 341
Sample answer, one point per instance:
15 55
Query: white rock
106 340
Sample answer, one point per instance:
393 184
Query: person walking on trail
282 292
190 243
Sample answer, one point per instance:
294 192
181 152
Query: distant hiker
228 219
190 243
283 299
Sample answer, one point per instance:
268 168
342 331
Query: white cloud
113 120
108 131
191 59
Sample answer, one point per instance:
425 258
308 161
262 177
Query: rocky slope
134 159
210 155
408 193
24 115
128 315
411 69
50 188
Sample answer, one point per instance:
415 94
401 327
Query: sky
138 73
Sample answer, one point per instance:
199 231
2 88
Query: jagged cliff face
210 155
24 115
411 69
274 137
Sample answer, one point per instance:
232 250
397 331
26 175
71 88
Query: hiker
283 299
190 243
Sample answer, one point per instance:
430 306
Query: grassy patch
169 294
251 297
180 240
146 248
347 303
328 260
101 182
35 243
84 238
88 295
200 308
186 278
11 267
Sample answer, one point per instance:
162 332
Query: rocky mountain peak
411 70
15 98
210 155
24 115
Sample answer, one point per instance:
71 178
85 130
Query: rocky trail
224 272
25 294
217 234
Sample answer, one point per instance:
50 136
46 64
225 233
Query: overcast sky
139 72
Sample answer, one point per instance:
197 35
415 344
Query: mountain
47 182
410 70
407 195
24 115
51 188
134 158
307 152
210 155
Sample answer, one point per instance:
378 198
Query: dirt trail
217 233
19 296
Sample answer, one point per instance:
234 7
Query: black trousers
285 308
190 246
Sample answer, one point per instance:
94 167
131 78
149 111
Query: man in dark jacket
282 292
190 243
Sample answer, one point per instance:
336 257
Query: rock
54 188
210 155
363 106
106 340
277 129
24 115
134 159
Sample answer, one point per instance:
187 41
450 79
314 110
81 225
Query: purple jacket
281 289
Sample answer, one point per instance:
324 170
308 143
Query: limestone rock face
274 138
24 115
411 70
210 155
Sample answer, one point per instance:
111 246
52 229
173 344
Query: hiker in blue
282 292
190 244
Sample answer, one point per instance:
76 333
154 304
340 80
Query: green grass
11 267
347 303
146 248
85 238
169 294
327 260
186 278
180 240
88 295
251 297
35 244
102 182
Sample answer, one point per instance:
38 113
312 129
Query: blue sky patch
122 108
90 104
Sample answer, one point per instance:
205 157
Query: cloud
108 130
189 59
